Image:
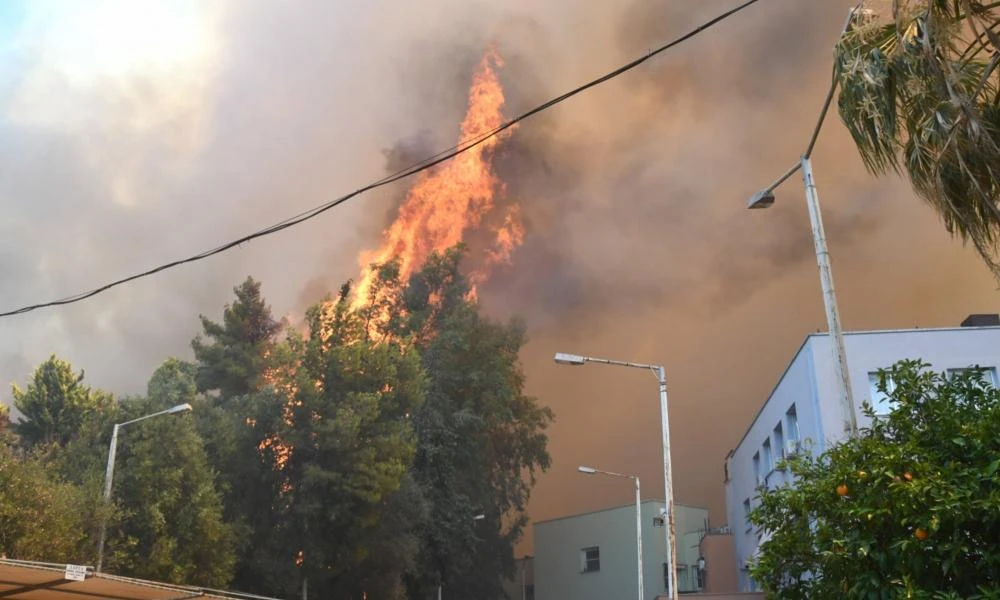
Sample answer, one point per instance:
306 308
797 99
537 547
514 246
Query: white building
592 556
804 411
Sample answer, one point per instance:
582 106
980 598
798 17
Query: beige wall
720 564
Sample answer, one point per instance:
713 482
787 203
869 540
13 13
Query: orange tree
908 509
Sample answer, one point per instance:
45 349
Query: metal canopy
26 580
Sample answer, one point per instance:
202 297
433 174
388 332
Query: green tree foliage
55 404
41 516
234 359
481 439
235 427
920 93
351 442
918 515
173 383
4 423
169 525
354 456
237 440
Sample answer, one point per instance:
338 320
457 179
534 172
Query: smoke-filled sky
132 133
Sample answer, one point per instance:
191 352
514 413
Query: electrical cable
413 169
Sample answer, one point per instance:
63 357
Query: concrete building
592 556
804 411
719 570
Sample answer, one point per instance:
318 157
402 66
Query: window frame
779 440
767 455
989 373
792 432
882 404
588 564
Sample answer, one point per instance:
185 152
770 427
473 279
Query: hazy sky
137 132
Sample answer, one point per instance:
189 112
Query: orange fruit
908 476
842 489
920 534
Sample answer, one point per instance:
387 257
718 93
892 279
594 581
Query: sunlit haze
137 132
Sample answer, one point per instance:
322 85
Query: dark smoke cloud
639 246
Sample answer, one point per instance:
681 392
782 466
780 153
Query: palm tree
920 92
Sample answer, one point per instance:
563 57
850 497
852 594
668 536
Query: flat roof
846 333
610 508
30 580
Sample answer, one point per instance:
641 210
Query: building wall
796 389
720 568
559 542
810 384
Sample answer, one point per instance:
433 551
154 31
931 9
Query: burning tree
453 199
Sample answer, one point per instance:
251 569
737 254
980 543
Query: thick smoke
639 246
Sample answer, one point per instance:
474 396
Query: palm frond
921 94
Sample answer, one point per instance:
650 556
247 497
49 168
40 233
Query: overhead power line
413 169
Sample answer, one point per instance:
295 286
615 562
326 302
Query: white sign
75 572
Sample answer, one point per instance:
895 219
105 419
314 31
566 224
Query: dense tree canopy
41 516
351 456
4 423
170 524
235 357
55 404
351 443
481 438
909 509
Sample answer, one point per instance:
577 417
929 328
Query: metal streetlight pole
110 472
765 198
638 515
668 487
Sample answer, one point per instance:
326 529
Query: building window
779 440
792 420
756 469
768 457
882 403
746 514
590 559
989 374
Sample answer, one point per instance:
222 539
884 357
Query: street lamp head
569 359
761 199
587 470
180 408
478 517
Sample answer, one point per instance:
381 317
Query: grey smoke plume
638 247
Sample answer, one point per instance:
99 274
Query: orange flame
453 198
